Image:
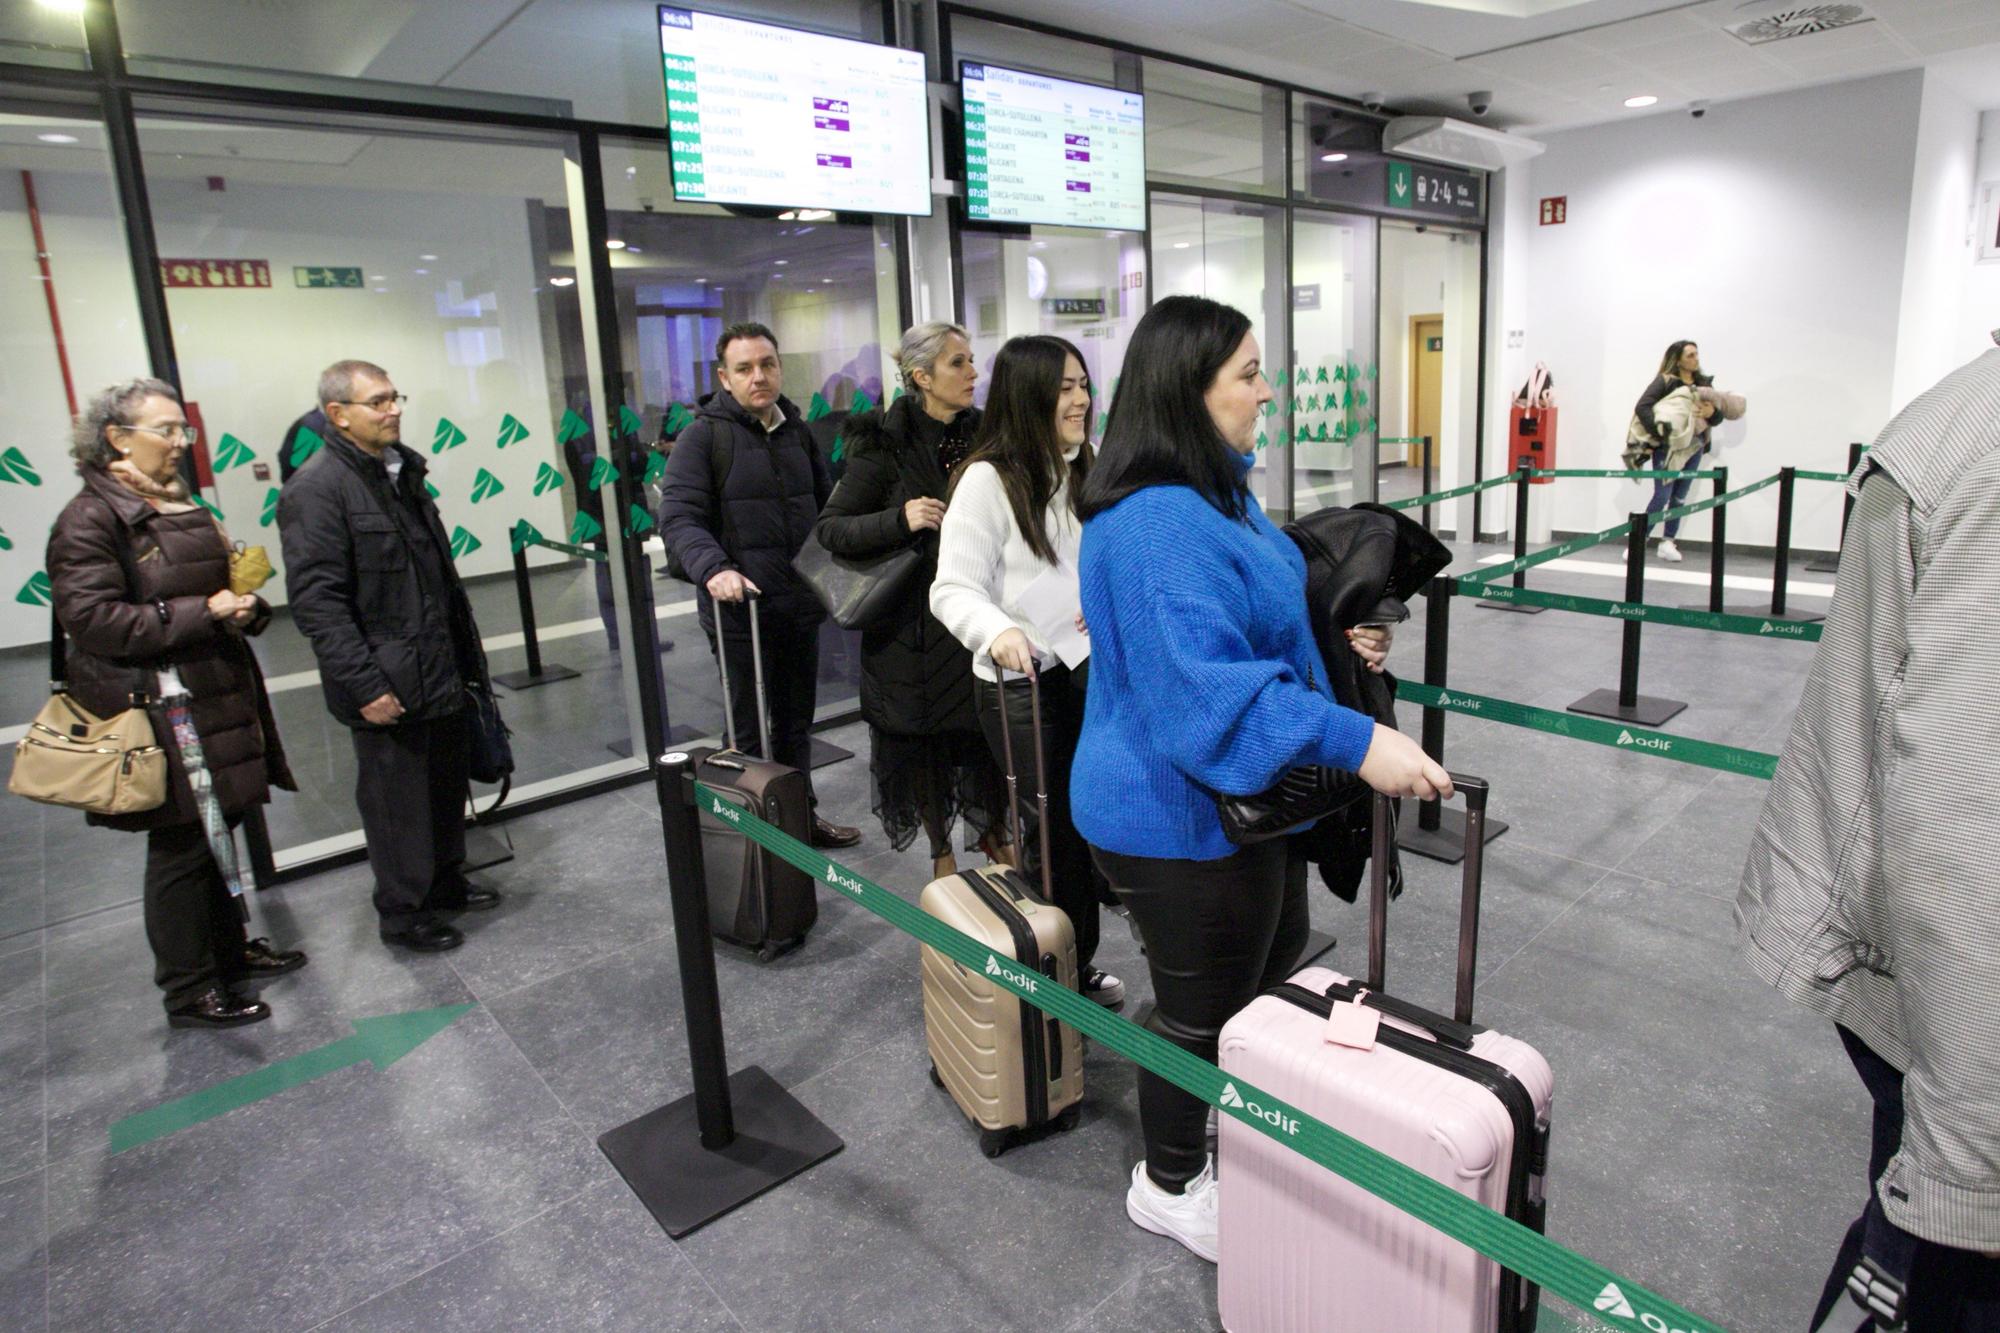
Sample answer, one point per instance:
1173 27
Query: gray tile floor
1709 1140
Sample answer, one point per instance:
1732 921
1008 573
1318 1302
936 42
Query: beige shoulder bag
72 757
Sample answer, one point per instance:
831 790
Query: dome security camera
1373 101
1480 103
1697 109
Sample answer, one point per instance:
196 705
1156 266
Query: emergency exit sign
1555 210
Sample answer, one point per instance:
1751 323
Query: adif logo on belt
1024 980
1659 743
1232 1098
842 882
1612 1301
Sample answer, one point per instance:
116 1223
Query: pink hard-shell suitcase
1304 1251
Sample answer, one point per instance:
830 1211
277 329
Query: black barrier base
1764 613
826 752
1444 843
684 1185
1516 607
485 847
1318 945
1647 711
523 680
1826 564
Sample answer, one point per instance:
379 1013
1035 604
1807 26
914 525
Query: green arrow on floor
511 431
308 444
379 1041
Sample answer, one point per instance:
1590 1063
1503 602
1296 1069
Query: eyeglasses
379 403
187 435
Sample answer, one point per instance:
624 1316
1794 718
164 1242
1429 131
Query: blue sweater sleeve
1230 720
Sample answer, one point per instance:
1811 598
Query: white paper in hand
1050 604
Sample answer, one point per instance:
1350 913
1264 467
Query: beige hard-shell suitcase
1009 1066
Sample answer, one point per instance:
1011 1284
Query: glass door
1335 387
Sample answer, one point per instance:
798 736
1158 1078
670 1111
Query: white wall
1510 228
1773 232
1412 283
1940 254
1979 312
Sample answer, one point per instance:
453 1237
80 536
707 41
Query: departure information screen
758 114
1051 151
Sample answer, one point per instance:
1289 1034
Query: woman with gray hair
141 582
930 762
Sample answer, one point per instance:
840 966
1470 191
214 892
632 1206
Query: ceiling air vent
1797 21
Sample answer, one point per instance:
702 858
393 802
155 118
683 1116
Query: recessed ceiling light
634 250
56 138
1182 245
420 271
378 277
381 289
614 243
826 279
562 282
1646 99
64 6
1333 157
781 262
427 258
701 282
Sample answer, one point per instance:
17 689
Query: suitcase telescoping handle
1041 772
756 677
1474 790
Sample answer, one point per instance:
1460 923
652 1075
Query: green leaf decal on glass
1271 408
232 452
1283 379
1362 398
463 543
573 427
511 431
6 542
1322 437
862 403
602 473
817 407
1340 374
1347 399
15 468
35 592
628 421
270 514
524 535
1103 421
431 490
679 418
638 521
839 447
1321 377
308 444
485 484
446 436
546 479
585 529
1262 440
656 467
1371 372
210 506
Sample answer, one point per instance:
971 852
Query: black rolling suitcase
755 898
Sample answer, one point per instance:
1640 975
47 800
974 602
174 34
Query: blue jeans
1671 494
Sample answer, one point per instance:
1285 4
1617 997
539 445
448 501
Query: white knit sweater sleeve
972 551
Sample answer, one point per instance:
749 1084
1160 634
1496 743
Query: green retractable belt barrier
1617 1301
1658 744
1757 627
585 552
1452 494
1638 474
1476 580
1803 475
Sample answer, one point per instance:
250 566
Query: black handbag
1303 795
491 753
858 592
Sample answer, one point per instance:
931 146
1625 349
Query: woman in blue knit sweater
1204 678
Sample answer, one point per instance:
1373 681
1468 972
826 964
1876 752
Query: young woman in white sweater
1012 521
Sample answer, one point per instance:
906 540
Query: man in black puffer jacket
742 490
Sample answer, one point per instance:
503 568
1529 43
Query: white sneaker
1668 551
1189 1217
1102 987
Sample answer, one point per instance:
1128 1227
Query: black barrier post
1521 483
1718 552
536 674
1831 564
735 1136
1427 483
1781 559
257 839
1626 704
1438 833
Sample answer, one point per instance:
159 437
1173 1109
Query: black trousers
1217 933
410 784
791 678
1950 1290
1073 879
194 926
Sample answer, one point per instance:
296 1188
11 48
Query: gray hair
921 348
336 382
114 406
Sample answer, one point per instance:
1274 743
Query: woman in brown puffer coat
140 576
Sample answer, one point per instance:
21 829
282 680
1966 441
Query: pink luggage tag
1352 1023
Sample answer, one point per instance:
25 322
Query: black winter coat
384 611
763 514
113 561
916 678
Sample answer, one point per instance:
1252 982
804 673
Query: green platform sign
322 276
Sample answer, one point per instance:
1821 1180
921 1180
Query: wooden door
1426 382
